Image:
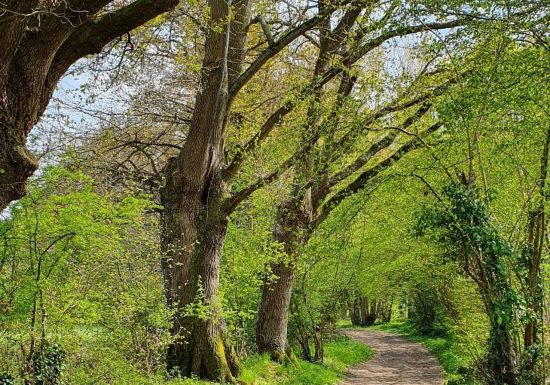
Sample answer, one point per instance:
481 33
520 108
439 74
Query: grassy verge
339 356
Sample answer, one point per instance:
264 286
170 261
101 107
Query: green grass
339 356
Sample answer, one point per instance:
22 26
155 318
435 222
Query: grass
339 356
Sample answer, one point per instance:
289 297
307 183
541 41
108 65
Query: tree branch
397 105
377 146
403 31
273 50
284 110
93 35
13 21
238 197
271 122
364 178
277 116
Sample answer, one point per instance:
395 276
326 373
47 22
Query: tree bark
536 234
502 360
195 215
355 312
201 346
16 163
194 228
36 50
272 323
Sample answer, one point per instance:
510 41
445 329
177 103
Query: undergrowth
340 354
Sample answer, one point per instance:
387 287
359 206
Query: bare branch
265 28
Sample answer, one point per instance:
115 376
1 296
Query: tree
473 215
40 40
315 192
195 193
317 189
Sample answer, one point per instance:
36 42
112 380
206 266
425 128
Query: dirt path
395 361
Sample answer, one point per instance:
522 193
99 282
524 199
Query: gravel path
396 361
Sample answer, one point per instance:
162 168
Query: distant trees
365 312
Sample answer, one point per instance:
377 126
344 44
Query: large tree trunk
39 41
272 324
271 328
195 217
200 347
192 244
294 218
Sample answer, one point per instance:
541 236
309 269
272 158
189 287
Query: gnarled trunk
196 217
192 242
39 41
16 163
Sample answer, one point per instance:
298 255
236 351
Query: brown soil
395 361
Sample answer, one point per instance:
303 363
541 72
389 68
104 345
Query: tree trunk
271 328
37 48
501 359
389 309
16 163
534 295
535 238
355 312
319 344
272 324
365 313
192 244
195 222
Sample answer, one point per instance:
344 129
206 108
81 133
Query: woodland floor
395 361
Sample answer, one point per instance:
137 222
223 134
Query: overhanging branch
365 177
